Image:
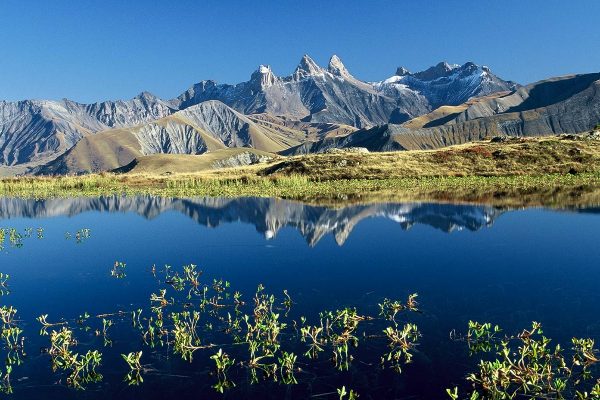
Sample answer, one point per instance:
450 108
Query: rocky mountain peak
306 67
401 71
337 67
146 97
263 77
440 70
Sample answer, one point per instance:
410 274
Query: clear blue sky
96 50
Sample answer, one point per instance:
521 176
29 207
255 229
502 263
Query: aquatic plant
5 384
118 270
7 314
390 308
106 324
259 332
287 363
352 395
312 334
481 337
223 362
186 339
401 343
42 319
527 365
81 369
134 376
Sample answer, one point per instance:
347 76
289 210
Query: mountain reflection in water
267 215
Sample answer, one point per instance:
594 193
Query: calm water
466 262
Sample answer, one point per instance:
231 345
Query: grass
517 172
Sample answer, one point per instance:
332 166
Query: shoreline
516 190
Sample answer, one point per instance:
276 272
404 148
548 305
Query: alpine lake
255 298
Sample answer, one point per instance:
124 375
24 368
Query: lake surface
466 262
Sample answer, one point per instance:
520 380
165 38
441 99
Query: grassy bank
502 190
519 172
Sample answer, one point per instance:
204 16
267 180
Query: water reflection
267 215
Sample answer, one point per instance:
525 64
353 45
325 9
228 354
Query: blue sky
96 50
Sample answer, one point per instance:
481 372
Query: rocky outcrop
242 159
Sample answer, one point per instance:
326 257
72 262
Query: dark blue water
466 262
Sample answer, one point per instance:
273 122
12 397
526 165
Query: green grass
516 190
542 171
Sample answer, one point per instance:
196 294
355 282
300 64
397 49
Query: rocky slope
205 127
38 130
569 104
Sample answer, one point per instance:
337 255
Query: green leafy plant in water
4 284
223 362
81 369
312 335
5 384
342 393
262 334
287 363
159 301
528 366
134 376
186 339
14 343
339 328
7 314
390 308
401 342
106 324
118 270
481 337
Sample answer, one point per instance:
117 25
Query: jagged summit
263 77
401 71
306 68
336 67
440 70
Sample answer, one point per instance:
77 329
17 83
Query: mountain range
313 109
268 216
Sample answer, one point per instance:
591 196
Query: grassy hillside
161 164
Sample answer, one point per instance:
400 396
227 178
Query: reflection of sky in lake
508 267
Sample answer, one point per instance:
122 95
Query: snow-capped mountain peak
306 68
336 67
263 77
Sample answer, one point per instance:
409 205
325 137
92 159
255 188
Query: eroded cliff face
39 130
